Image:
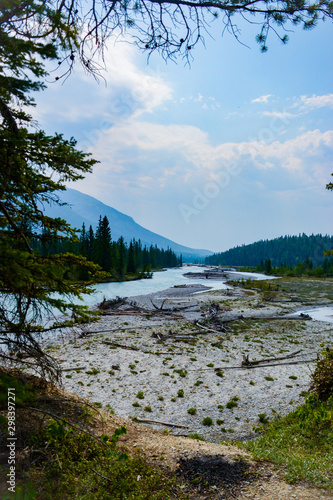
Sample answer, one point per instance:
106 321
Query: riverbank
147 360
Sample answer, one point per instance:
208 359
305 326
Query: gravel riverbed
176 381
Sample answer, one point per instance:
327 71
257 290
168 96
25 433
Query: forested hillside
115 257
287 250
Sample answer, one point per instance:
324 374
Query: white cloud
282 115
183 154
317 101
262 99
124 91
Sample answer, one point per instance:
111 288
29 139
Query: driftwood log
116 344
73 369
148 421
203 327
176 336
247 363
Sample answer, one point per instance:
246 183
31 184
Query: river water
160 281
320 313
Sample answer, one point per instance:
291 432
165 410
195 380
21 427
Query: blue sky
233 148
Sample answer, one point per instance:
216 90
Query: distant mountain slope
286 249
82 208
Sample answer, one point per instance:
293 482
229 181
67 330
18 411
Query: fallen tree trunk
175 336
88 332
148 421
301 316
247 362
250 367
72 369
115 344
278 364
199 325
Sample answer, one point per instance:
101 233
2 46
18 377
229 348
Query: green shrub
140 395
181 372
322 377
207 421
316 416
232 403
180 393
192 411
94 371
24 393
263 418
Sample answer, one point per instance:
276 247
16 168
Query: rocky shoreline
147 359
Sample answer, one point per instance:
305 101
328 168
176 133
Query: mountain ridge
81 208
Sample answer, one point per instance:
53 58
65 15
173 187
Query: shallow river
175 276
160 281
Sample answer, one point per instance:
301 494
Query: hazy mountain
82 208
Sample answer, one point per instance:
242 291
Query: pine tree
33 165
102 244
121 258
131 268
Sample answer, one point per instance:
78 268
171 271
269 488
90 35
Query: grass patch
302 442
195 435
76 466
70 464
